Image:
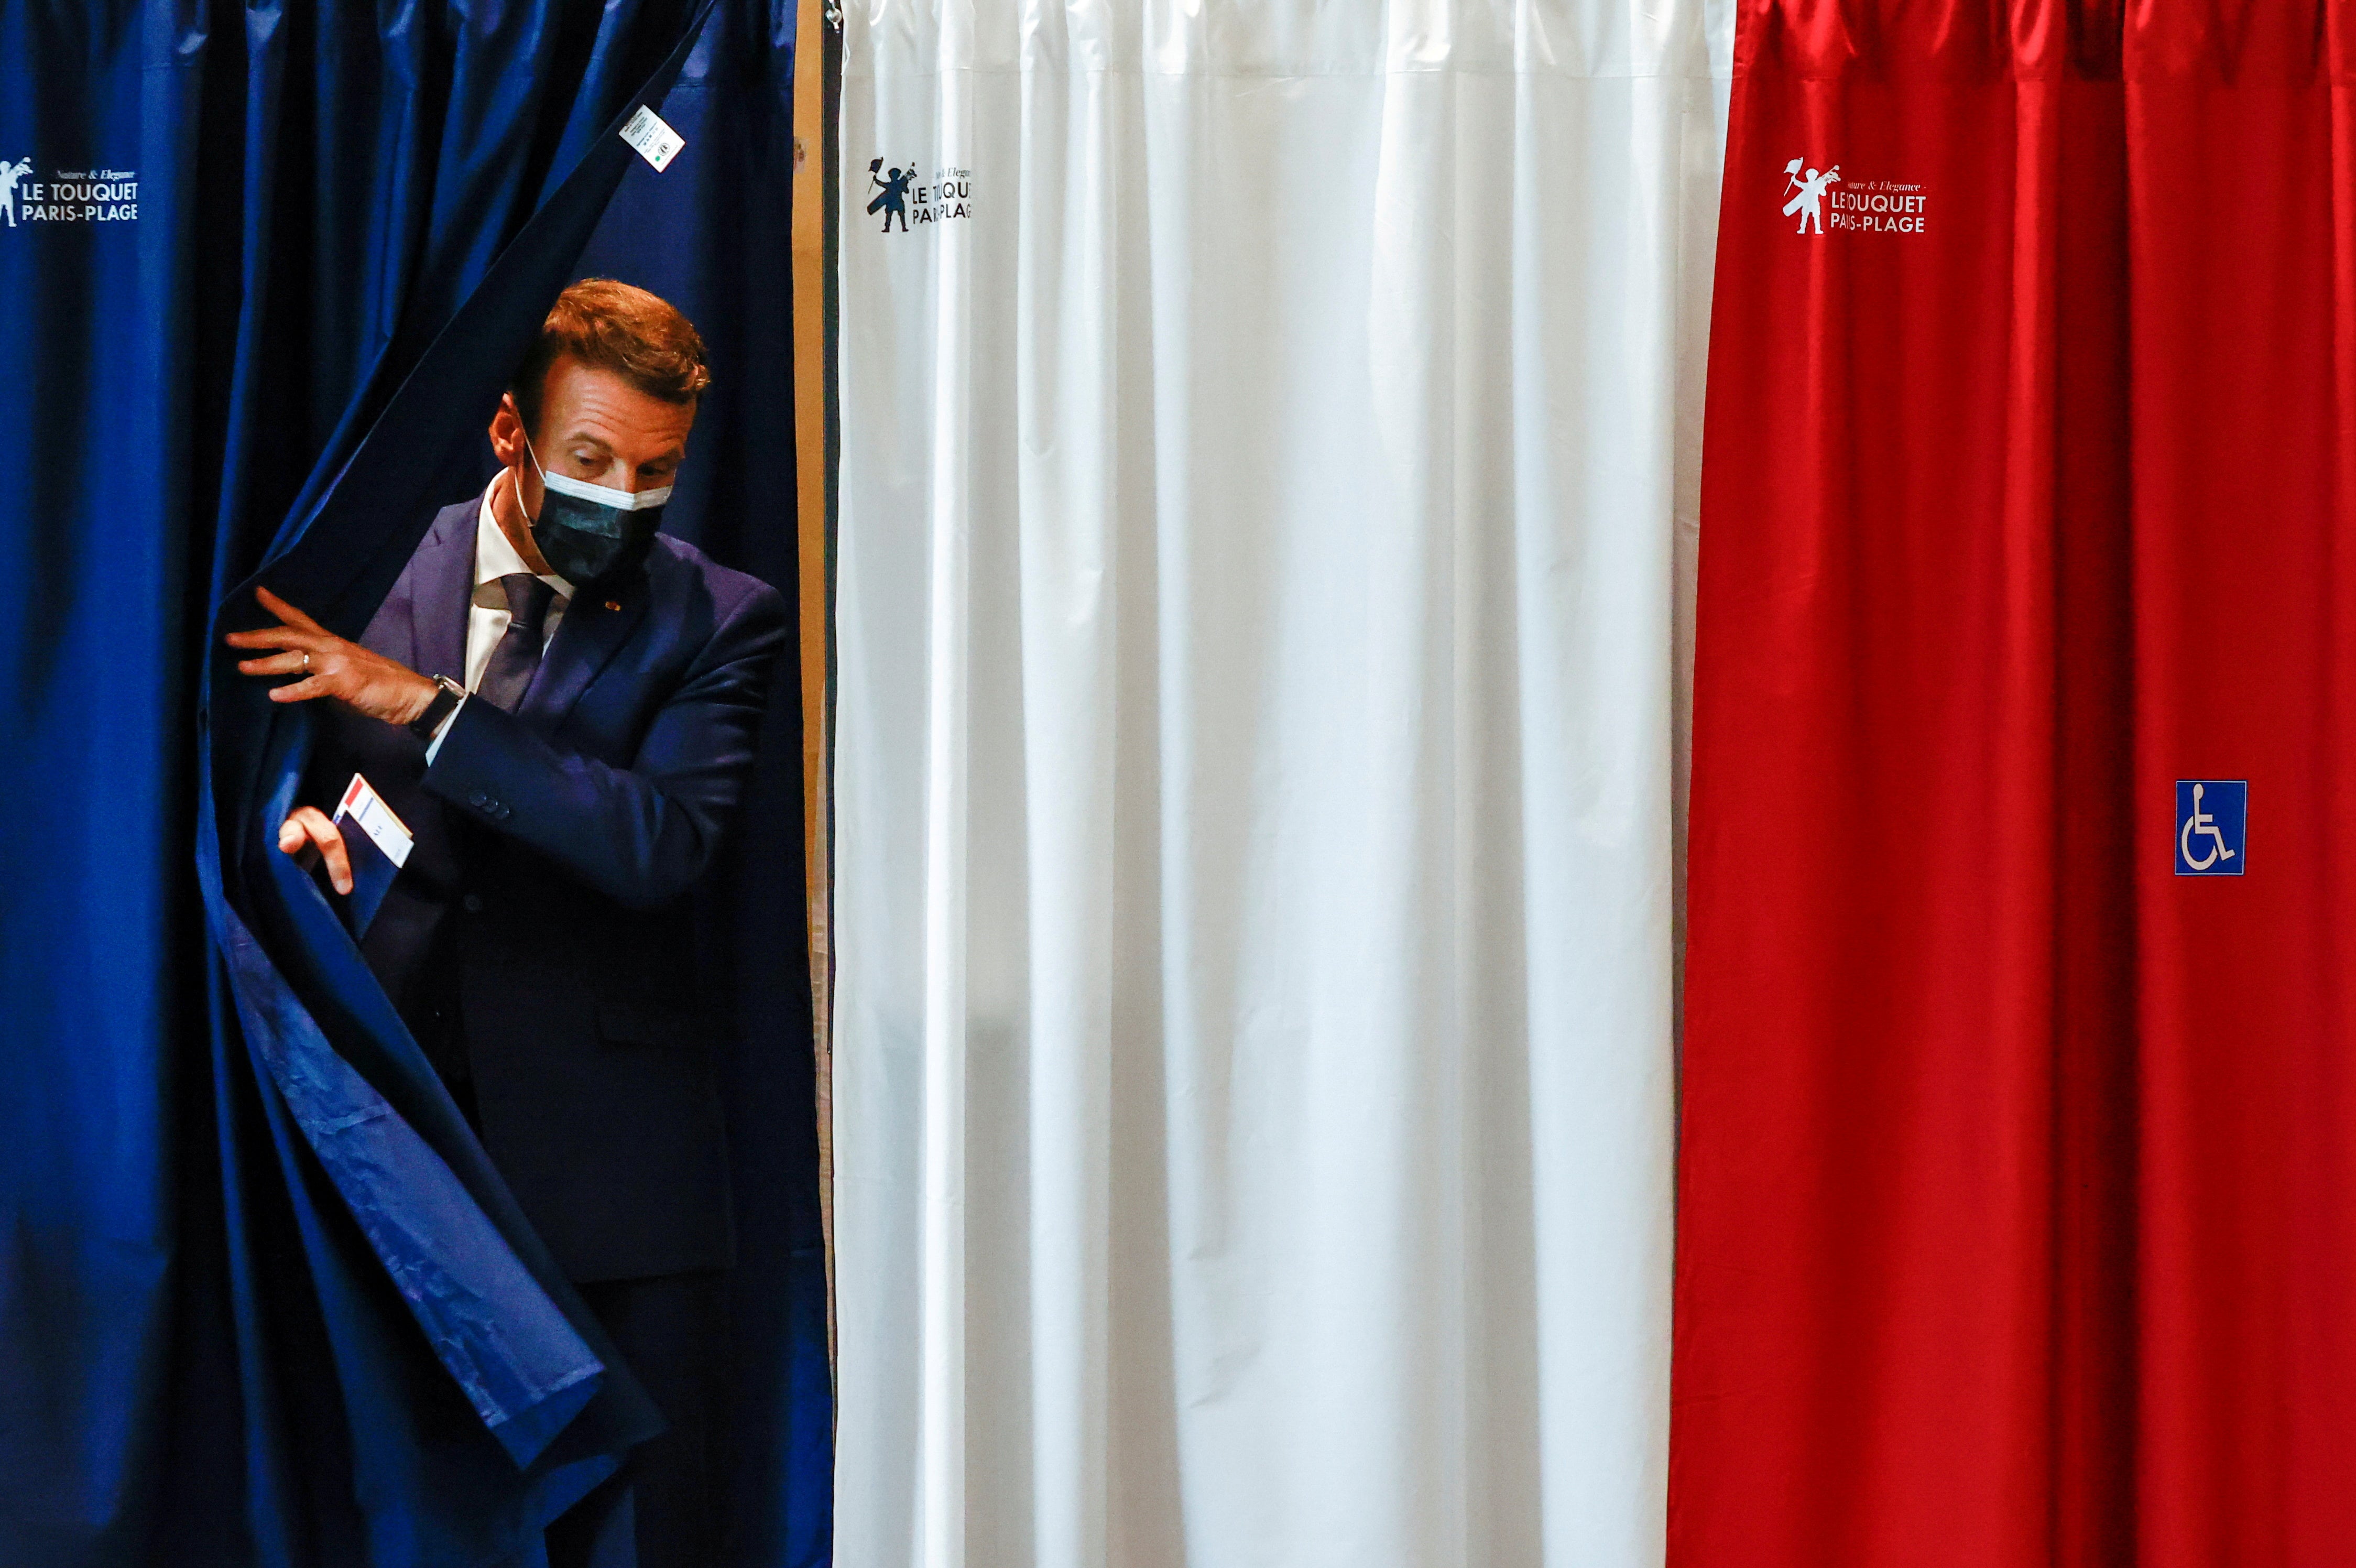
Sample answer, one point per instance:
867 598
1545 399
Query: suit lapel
444 593
586 641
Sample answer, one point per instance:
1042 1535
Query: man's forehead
588 406
604 434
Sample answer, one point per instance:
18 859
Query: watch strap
450 695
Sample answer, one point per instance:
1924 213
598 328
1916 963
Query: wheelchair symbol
2200 823
2211 820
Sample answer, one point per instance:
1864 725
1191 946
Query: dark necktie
517 657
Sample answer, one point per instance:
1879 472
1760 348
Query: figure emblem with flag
891 198
1807 193
9 176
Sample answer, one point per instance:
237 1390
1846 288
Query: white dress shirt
488 616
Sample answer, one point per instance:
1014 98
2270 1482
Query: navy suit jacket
544 901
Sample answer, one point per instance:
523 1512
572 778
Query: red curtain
2017 1168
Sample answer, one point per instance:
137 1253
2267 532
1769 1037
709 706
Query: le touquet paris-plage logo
68 196
898 197
1821 200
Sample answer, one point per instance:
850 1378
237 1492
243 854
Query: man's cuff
443 729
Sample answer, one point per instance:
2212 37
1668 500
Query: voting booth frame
817 76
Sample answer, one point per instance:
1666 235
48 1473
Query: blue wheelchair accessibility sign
2212 820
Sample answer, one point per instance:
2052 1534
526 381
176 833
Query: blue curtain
261 1299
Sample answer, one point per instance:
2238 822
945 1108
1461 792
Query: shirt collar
496 557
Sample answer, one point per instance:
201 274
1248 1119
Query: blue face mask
587 531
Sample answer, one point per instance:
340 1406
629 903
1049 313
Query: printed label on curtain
2213 818
656 142
1821 198
68 196
898 195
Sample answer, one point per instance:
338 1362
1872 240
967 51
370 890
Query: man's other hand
308 835
364 681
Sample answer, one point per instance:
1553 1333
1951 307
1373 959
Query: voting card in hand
378 851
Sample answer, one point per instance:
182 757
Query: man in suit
560 703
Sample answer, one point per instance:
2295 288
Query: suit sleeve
644 833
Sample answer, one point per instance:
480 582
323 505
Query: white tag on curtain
656 142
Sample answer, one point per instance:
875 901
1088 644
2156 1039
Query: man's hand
366 681
310 834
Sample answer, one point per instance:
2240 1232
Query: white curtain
1270 450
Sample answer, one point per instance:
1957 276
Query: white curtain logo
898 197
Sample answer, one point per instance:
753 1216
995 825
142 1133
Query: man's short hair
616 326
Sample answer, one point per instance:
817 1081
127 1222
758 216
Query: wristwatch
450 695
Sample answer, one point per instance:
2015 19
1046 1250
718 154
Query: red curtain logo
1806 193
1824 202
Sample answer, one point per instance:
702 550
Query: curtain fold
1267 455
392 1215
2008 1229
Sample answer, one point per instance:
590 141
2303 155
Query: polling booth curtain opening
2014 1221
1269 442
